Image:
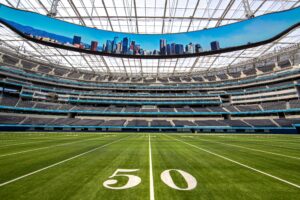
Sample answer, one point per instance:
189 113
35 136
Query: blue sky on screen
241 33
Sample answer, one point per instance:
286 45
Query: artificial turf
38 166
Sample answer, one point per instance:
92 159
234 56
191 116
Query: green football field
46 166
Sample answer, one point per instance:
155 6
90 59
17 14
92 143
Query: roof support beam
193 15
174 70
164 17
76 12
124 17
87 62
225 13
125 70
106 65
108 17
194 64
136 19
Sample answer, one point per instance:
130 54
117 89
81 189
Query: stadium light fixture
53 10
248 12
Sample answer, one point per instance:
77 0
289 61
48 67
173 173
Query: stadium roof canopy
147 16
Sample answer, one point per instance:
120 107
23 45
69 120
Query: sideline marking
238 163
252 149
151 171
57 145
58 163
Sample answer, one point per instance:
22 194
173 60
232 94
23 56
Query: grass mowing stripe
251 149
238 163
40 148
151 171
60 162
36 142
8 145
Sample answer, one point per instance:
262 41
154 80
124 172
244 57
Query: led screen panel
236 36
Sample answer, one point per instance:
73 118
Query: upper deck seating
216 109
183 123
9 119
184 109
87 122
60 71
280 105
235 74
249 72
260 122
160 123
44 69
113 123
10 60
200 109
210 123
295 103
187 79
166 109
210 78
245 108
238 123
149 110
8 100
198 79
114 109
132 109
63 121
222 76
163 80
287 122
28 65
138 123
74 75
50 106
26 104
267 68
284 63
175 79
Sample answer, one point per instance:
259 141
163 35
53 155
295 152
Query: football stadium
149 99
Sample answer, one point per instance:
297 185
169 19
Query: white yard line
151 171
241 164
252 149
58 163
57 145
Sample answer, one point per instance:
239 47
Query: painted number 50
135 180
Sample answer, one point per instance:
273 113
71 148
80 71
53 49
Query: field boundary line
238 163
56 145
252 149
60 162
151 171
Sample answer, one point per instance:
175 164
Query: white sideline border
151 182
238 163
251 149
56 145
58 163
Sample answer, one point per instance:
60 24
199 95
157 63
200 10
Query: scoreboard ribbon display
236 36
